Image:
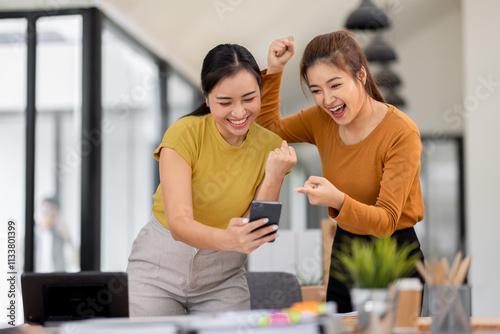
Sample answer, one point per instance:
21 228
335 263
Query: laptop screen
70 301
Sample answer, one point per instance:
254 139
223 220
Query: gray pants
168 277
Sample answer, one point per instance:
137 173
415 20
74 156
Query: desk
486 325
478 324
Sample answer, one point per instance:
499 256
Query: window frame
91 171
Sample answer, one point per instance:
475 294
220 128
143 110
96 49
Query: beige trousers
168 277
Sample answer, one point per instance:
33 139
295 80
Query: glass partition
58 143
12 123
13 53
131 129
440 232
44 179
181 98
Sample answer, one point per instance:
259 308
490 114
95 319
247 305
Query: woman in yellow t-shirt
370 151
189 257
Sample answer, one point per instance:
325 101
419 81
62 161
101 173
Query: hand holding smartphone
266 209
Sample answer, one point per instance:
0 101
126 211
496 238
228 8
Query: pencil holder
449 307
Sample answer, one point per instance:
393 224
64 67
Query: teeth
337 108
238 122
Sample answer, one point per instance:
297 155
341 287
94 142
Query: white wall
481 70
426 36
129 136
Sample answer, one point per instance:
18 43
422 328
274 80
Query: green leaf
373 264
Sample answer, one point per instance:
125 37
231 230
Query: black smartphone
266 209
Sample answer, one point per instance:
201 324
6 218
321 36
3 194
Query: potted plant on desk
369 269
312 289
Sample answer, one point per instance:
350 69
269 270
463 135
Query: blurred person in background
53 242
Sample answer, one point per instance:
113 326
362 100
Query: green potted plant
312 289
370 268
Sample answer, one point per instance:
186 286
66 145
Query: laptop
52 298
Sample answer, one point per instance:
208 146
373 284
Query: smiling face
235 104
339 94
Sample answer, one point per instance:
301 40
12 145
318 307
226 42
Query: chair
273 290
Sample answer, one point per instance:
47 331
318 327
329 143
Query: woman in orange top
370 151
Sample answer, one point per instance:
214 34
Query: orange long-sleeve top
380 175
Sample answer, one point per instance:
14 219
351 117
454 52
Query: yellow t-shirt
224 177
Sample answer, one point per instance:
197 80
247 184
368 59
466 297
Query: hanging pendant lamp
391 97
367 17
387 78
379 51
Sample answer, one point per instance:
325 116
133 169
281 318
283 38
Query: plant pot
313 293
375 309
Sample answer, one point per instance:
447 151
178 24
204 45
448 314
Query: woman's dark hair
340 49
223 61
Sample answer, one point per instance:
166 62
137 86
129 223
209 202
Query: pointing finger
302 190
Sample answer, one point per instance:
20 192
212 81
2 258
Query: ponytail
202 109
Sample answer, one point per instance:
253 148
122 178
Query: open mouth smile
338 111
238 123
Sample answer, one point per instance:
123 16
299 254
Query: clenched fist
280 161
280 52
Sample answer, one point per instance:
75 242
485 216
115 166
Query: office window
131 127
12 132
58 151
181 98
53 149
441 233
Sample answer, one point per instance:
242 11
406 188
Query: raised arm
175 178
295 128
